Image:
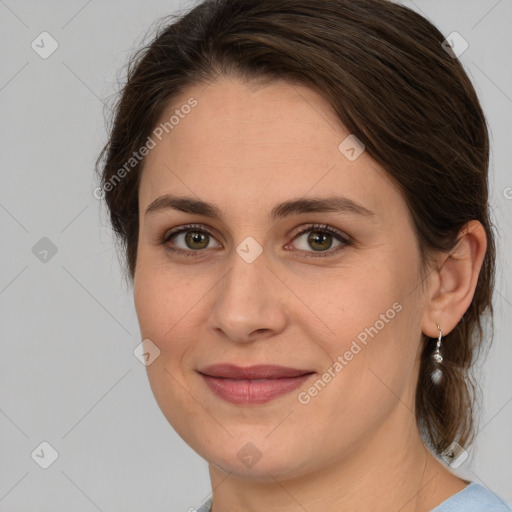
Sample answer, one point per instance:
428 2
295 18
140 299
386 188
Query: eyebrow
337 204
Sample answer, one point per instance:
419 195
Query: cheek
374 323
353 302
371 377
171 309
165 312
163 299
152 304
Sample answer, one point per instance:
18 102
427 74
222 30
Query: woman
301 191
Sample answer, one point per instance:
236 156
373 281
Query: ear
453 285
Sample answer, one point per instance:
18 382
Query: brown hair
383 69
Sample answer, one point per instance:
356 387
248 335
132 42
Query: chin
266 469
258 459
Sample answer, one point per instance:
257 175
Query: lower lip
253 392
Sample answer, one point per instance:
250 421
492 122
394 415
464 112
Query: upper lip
261 371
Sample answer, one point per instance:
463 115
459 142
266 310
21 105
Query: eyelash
321 228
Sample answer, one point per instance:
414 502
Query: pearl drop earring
437 359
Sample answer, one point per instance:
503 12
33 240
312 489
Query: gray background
68 327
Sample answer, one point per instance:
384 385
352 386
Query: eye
188 240
191 240
321 239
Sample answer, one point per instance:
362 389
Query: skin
355 446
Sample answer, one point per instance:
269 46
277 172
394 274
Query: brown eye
196 239
189 239
320 239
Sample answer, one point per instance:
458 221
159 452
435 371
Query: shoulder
206 506
474 498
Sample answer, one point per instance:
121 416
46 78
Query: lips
230 371
254 384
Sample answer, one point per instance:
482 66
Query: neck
392 471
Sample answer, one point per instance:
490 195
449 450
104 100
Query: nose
249 302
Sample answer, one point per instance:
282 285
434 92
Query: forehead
247 144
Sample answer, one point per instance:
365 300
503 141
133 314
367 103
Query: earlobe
457 277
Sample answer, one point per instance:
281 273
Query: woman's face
258 282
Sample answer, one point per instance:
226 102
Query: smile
252 385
